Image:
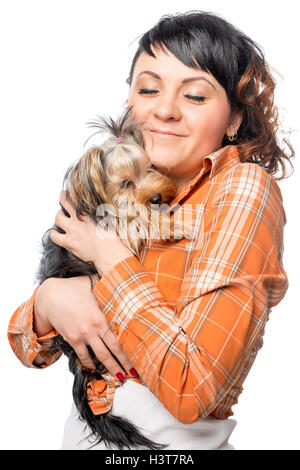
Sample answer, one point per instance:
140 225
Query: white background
62 63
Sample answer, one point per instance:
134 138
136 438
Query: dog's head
119 176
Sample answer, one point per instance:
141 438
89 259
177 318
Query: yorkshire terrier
117 175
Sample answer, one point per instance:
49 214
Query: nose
166 108
156 199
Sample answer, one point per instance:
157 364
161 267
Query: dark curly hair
205 40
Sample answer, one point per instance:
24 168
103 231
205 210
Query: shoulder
244 170
249 185
249 180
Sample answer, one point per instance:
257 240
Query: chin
164 166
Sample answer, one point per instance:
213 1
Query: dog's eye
126 184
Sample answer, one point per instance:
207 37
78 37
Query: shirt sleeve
190 356
31 350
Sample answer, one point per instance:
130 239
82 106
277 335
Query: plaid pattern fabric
191 315
23 340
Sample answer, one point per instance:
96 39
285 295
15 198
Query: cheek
140 107
213 120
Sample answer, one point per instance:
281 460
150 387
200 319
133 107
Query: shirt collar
212 164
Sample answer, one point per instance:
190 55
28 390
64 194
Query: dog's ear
92 176
101 159
93 161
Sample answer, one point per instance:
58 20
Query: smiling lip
166 133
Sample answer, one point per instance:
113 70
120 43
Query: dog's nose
156 199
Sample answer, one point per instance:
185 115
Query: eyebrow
186 80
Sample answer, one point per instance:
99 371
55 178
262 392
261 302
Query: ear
234 122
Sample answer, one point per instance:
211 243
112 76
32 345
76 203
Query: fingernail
120 376
133 372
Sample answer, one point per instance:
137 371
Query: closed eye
126 184
145 91
196 98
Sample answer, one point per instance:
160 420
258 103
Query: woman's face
174 98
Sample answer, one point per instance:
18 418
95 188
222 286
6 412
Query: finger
64 210
83 356
105 356
110 339
57 238
66 204
62 220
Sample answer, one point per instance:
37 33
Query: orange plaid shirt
191 315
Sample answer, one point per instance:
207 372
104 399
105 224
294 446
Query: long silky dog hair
119 174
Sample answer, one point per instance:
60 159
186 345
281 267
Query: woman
189 317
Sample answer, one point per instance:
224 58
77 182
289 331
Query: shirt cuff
24 341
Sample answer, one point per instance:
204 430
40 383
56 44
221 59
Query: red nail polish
120 376
133 372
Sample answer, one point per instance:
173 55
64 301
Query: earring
233 137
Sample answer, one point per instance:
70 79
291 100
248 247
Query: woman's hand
86 240
72 309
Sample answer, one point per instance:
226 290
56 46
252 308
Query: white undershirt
136 403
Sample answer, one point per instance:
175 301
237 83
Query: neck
181 182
